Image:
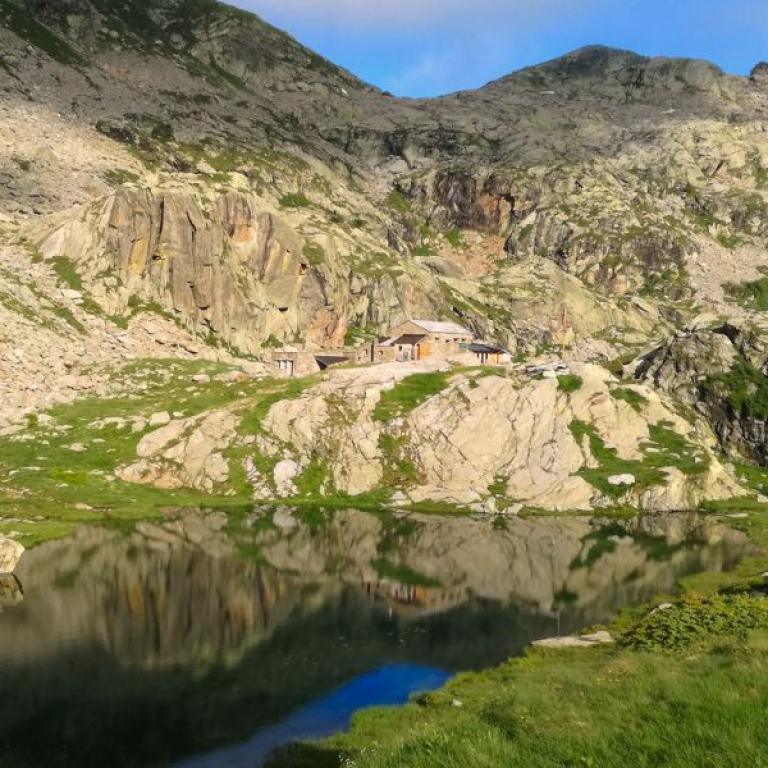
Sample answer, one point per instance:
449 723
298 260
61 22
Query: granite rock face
268 194
185 453
10 554
720 372
482 441
229 268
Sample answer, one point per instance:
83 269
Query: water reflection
143 649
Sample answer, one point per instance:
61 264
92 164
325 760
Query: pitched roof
433 326
410 338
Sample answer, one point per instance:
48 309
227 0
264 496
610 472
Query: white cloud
404 14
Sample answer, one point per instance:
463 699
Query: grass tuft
408 394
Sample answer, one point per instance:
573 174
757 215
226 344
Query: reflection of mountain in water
165 643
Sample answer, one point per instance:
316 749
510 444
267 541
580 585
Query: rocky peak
759 73
615 75
592 60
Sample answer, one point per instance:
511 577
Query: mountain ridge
584 202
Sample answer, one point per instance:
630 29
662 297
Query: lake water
194 642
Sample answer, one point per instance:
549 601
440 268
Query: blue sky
430 47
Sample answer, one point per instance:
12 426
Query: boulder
10 554
159 419
619 480
185 453
285 473
582 641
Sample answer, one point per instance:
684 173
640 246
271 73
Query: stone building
489 354
302 362
412 340
426 339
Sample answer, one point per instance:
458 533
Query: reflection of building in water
409 600
178 593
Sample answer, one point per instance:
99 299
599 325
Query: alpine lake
178 643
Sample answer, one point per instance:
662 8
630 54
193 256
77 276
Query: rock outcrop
10 554
487 441
267 195
721 373
759 73
185 453
229 269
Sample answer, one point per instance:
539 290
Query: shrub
698 618
163 132
569 383
752 295
744 387
314 254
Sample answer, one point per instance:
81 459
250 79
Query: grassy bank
574 708
59 472
682 687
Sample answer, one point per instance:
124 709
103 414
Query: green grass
295 200
399 471
408 394
570 383
454 238
397 201
272 342
355 336
423 250
314 480
596 708
314 254
761 176
120 176
744 387
729 241
610 464
630 396
751 295
67 273
665 448
43 481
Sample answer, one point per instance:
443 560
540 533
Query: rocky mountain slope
179 179
420 432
